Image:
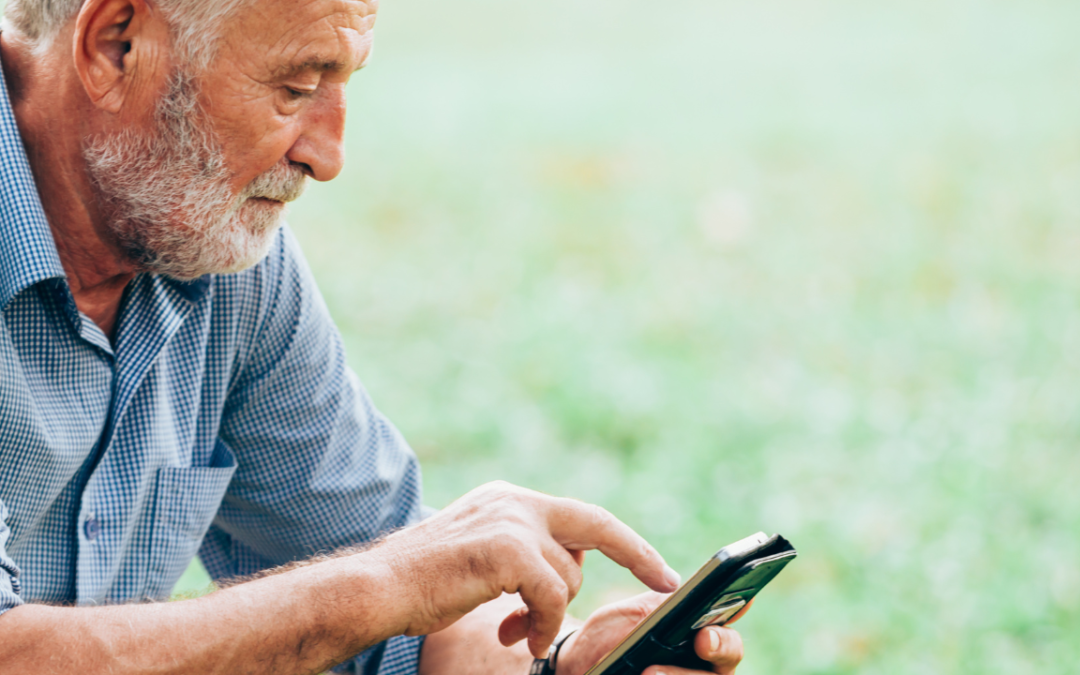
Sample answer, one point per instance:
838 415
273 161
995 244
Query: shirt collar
27 250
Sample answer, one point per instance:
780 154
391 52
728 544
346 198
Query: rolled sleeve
9 571
396 656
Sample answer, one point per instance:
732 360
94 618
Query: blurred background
801 266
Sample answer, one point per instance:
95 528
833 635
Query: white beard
166 198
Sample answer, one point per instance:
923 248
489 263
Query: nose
320 147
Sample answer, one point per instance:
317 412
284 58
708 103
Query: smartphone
723 586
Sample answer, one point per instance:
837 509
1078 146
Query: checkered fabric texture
223 422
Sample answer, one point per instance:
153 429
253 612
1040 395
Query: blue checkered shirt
223 421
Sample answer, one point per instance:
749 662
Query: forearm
471 646
300 621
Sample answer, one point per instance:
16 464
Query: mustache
283 182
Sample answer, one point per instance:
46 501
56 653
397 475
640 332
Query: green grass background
806 266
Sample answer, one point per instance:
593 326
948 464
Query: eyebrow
315 65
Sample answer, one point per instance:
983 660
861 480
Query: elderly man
171 383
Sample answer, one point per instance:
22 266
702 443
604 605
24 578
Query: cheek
256 145
254 136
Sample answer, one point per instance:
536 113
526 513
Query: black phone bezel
665 637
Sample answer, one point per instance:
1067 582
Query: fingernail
714 640
673 579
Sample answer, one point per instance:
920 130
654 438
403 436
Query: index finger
578 526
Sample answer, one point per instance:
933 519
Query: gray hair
195 24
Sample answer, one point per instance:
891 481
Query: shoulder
283 268
263 307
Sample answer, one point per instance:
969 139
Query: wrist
379 576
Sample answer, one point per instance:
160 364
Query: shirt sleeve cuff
9 588
9 600
397 656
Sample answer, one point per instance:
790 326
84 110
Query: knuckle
508 498
517 541
644 552
574 585
492 490
507 555
601 524
649 552
555 590
553 593
523 557
599 517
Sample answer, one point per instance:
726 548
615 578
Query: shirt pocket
185 503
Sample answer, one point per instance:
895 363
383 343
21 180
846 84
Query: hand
504 539
607 627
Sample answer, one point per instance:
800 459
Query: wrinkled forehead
274 37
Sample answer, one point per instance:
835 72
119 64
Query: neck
54 115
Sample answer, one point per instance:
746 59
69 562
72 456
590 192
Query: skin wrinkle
317 65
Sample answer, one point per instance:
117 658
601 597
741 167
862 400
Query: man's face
202 188
276 91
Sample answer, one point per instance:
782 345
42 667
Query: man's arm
497 539
301 621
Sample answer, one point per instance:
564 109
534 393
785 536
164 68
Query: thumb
515 627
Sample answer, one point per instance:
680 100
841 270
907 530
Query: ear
121 47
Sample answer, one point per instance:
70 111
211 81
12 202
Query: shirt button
92 528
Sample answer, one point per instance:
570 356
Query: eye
297 94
